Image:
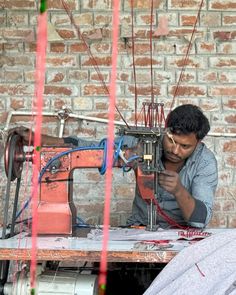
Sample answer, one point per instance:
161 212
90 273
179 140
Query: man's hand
169 181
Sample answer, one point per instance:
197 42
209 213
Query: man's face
178 147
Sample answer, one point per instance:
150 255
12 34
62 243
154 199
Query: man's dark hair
187 119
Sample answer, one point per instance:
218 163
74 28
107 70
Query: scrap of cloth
133 234
207 267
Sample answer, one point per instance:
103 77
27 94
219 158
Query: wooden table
83 249
79 249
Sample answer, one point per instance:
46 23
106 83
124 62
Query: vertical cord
39 90
186 56
108 180
134 68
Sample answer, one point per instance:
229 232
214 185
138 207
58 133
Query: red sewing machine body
56 210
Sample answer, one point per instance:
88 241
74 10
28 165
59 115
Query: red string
110 136
39 89
151 61
96 67
186 56
134 68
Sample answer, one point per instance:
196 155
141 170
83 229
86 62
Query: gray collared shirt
199 176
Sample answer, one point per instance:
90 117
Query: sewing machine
56 211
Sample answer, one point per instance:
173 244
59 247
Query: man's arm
169 180
196 206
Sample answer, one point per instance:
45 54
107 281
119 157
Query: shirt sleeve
203 190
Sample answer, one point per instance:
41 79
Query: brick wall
72 81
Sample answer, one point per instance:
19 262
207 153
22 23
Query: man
188 179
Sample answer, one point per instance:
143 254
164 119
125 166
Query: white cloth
205 268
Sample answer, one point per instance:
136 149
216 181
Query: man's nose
175 149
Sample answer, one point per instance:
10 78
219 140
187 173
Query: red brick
57 47
187 76
228 206
91 89
146 62
77 47
123 76
229 146
229 104
99 76
145 90
101 47
205 77
210 105
224 35
16 89
66 33
225 177
144 4
189 62
13 47
77 75
206 47
59 103
97 60
145 19
210 19
18 34
52 4
222 5
229 20
188 20
222 90
17 103
102 105
59 61
163 48
10 4
223 62
123 104
189 90
185 4
182 49
13 76
227 48
230 119
219 220
61 90
102 19
55 77
186 33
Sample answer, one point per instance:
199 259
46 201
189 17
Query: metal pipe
86 118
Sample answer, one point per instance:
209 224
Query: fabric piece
206 267
133 234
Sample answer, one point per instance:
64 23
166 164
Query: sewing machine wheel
14 149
